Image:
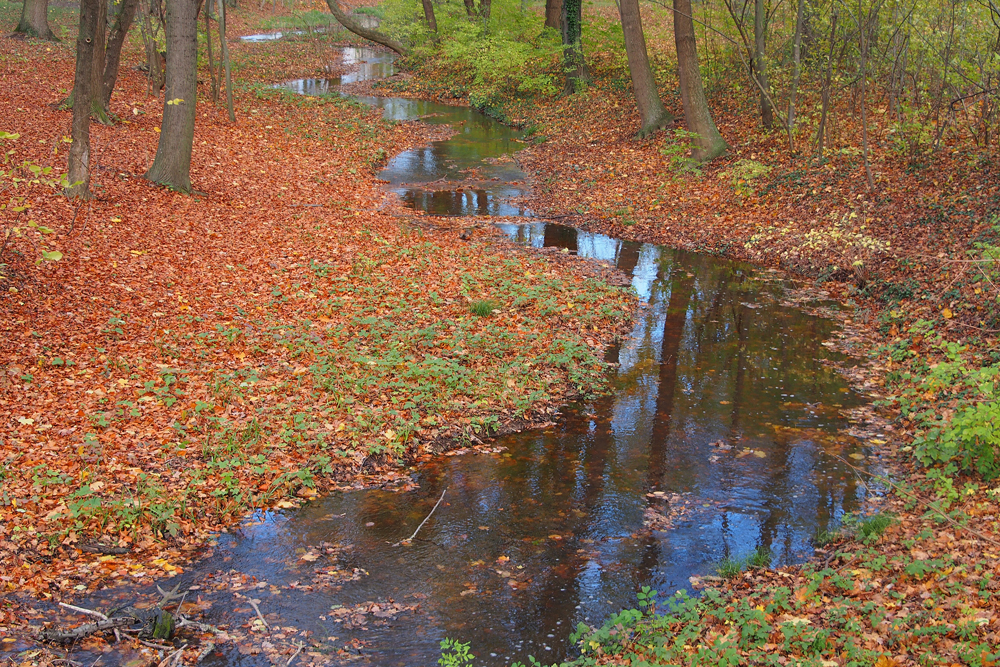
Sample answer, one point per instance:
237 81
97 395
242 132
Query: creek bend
723 431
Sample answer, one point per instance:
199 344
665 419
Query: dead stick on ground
295 655
91 612
410 538
918 500
259 615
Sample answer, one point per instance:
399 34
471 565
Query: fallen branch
295 655
410 538
90 612
84 630
259 615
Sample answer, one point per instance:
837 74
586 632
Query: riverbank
266 340
913 261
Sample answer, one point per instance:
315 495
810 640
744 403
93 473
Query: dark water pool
722 427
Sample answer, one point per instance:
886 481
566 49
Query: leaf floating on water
857 457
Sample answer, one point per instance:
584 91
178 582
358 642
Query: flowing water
721 436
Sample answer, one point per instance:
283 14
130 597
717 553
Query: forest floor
191 355
282 332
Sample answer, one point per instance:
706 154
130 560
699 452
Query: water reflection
721 402
471 173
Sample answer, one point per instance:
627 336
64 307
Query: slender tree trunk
652 115
35 20
429 15
484 8
97 67
355 26
577 75
225 61
760 62
821 130
91 12
113 55
796 64
213 73
553 14
154 69
172 165
863 74
709 144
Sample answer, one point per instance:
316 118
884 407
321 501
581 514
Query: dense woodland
207 308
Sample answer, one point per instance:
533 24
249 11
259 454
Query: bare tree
172 164
577 74
358 29
709 144
652 114
35 20
92 19
124 15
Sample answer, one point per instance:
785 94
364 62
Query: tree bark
553 14
484 8
35 20
213 73
653 116
577 75
709 143
113 54
91 12
760 62
429 15
796 64
470 8
172 164
225 61
355 26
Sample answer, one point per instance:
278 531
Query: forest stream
725 433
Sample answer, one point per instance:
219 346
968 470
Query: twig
204 627
259 615
174 658
91 612
295 655
410 538
920 501
162 647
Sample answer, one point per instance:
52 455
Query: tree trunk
796 64
577 75
97 67
172 165
821 130
863 74
35 20
213 73
653 116
484 8
553 14
429 15
709 143
91 12
760 62
470 8
226 62
355 26
113 54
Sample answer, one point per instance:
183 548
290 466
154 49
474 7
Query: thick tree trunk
760 62
553 14
577 75
652 115
429 15
225 61
113 54
172 165
355 26
35 20
91 13
470 7
709 143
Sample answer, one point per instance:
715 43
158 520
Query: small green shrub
483 308
455 654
